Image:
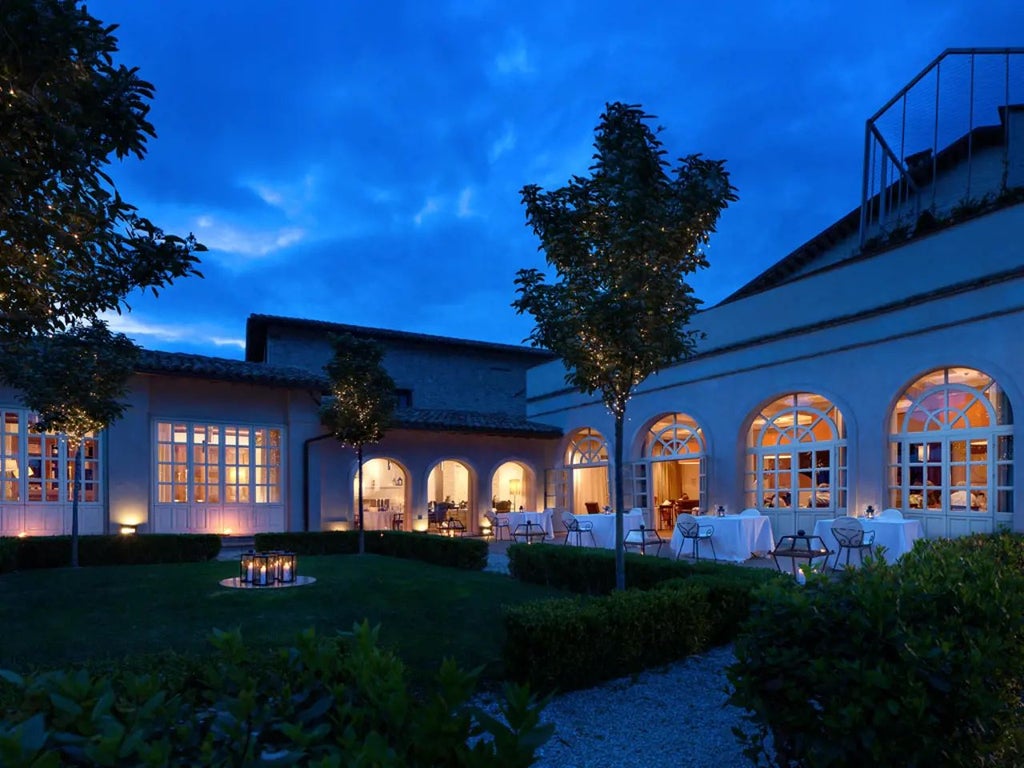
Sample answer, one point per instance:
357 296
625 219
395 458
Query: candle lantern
286 570
246 567
263 569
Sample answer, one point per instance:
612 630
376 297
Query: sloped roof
438 420
224 369
256 336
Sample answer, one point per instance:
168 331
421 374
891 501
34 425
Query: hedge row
468 554
588 571
577 642
916 664
325 702
55 551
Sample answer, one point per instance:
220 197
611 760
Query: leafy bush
8 554
589 571
55 551
468 554
910 665
577 642
325 702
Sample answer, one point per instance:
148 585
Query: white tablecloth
897 536
604 528
543 519
736 537
377 519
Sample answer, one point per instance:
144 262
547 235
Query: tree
622 242
74 381
361 403
71 248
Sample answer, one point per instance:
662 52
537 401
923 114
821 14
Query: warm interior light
128 530
22 535
227 531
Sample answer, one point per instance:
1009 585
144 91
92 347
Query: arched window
385 484
674 454
796 456
951 452
586 461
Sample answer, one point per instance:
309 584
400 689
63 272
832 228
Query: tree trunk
75 486
620 550
359 510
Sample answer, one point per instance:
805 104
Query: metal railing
942 141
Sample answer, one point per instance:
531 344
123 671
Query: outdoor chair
576 527
850 535
497 524
691 530
642 538
751 512
891 514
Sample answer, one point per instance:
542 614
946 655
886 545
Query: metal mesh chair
691 530
576 527
497 523
643 538
890 514
850 535
529 531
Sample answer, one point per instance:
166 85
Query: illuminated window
951 446
40 468
214 463
586 460
796 455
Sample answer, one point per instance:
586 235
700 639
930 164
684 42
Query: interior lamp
515 487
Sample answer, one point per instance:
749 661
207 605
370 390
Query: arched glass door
586 460
385 483
796 462
951 453
674 450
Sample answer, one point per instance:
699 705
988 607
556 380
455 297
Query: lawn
53 618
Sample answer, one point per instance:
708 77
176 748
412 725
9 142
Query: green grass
63 617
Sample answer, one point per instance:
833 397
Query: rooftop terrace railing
944 140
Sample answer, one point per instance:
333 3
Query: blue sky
361 162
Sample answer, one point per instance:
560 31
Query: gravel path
675 716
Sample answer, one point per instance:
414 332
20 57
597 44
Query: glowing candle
249 579
263 575
287 571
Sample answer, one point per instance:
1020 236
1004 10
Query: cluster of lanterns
264 569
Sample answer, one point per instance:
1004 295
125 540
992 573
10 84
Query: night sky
361 162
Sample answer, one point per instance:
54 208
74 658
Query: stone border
236 583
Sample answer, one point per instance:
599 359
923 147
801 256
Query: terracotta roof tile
224 369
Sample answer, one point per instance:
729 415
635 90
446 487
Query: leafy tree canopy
363 394
73 380
621 242
71 248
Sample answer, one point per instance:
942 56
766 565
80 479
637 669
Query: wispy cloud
503 144
219 236
514 60
465 205
135 327
292 197
431 207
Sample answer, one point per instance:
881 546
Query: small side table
800 547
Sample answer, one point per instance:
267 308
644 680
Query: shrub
55 551
8 554
328 702
910 665
468 554
589 571
577 642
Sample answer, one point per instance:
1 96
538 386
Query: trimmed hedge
588 571
915 664
467 554
141 549
577 642
574 643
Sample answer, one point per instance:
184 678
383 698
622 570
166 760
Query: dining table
737 538
604 527
542 519
896 534
377 519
